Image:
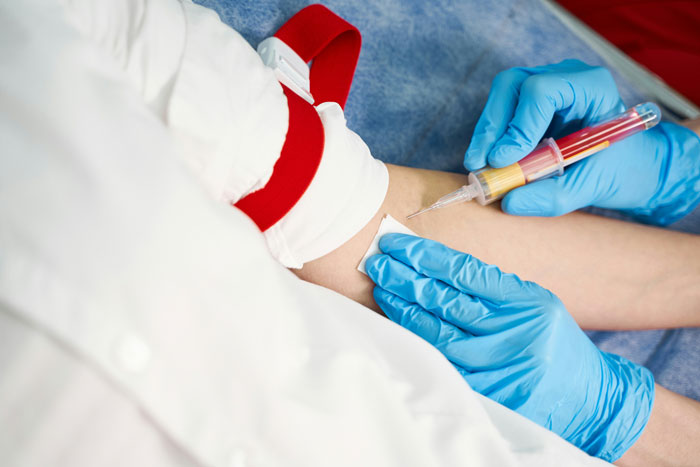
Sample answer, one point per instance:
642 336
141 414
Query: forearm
672 435
610 274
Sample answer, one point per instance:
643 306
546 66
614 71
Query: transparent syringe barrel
550 157
545 160
590 140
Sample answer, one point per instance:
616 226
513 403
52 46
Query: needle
429 208
465 193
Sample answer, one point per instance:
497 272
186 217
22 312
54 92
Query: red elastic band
295 168
318 34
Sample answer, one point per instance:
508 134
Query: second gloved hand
514 342
653 176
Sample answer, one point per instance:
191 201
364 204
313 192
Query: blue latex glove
514 342
654 175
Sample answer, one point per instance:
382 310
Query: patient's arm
671 436
610 274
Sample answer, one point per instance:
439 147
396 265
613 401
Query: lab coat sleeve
224 108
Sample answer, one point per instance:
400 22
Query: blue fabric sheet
422 79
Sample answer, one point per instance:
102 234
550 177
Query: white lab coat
143 323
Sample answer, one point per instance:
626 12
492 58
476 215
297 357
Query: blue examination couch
421 82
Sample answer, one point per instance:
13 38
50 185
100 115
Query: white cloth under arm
134 331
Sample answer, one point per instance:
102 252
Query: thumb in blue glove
514 342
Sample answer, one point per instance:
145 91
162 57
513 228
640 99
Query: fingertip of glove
384 299
527 201
513 205
392 241
373 265
474 158
505 155
380 295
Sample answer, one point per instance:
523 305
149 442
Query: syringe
550 157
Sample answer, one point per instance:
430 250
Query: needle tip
418 212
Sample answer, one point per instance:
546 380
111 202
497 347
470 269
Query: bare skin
610 274
671 436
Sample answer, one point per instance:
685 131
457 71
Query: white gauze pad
388 225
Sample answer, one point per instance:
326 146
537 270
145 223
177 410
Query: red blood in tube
543 160
579 144
539 163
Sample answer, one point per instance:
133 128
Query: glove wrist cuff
628 411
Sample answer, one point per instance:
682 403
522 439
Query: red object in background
664 36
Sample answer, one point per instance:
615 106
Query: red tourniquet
318 34
293 171
664 36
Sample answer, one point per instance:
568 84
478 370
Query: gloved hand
514 342
654 175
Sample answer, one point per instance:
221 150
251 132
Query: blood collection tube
550 157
